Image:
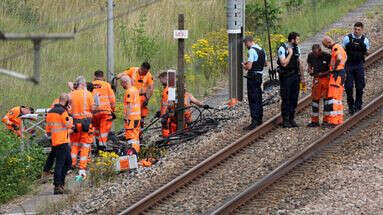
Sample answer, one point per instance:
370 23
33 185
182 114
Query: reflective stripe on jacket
132 106
81 104
105 95
58 124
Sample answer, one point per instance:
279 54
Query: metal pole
36 63
268 34
180 76
110 43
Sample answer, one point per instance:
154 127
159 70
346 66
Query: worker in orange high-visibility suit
333 104
105 104
143 81
132 113
168 119
58 127
82 105
318 66
12 119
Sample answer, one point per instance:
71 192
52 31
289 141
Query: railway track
375 107
154 199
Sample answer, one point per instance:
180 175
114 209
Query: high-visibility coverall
132 117
105 103
333 104
58 126
82 137
142 83
319 64
169 124
13 121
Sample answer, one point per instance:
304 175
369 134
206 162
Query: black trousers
63 163
289 91
254 93
50 160
354 74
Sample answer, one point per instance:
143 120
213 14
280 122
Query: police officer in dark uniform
254 65
356 45
291 73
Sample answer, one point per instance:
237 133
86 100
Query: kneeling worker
12 119
132 112
318 66
169 123
58 128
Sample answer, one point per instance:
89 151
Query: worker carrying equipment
318 66
105 104
12 119
58 127
82 106
333 104
132 113
168 109
143 81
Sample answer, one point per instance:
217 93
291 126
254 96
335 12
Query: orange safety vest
338 49
104 98
140 82
81 104
164 101
58 124
12 117
132 106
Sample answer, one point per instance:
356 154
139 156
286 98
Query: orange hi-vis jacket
12 117
81 104
338 49
132 106
58 125
104 97
140 82
164 101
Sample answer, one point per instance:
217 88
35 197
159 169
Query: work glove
205 106
303 87
158 114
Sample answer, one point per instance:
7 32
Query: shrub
18 169
102 168
337 33
256 16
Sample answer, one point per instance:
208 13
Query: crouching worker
12 120
132 113
58 128
168 120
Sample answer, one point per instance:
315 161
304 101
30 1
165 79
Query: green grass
18 169
64 60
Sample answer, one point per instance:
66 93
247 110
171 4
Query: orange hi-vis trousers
81 143
102 123
132 133
319 91
333 103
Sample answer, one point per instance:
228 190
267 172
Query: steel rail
299 158
203 167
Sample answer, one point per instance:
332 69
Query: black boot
252 126
286 122
292 122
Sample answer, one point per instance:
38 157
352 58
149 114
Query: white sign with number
181 34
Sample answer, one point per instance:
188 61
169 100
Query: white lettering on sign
181 34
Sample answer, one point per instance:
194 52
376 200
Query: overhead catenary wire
134 8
